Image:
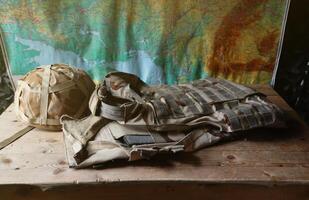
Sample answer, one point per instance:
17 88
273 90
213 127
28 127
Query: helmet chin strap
15 136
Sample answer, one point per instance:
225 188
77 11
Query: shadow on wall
292 80
6 91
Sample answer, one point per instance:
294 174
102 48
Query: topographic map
162 41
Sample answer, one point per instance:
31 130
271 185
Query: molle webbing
167 104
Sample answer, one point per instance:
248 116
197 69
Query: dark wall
292 80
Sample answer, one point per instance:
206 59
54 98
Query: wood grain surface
271 163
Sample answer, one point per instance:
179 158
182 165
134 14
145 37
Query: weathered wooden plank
143 174
37 141
210 157
265 89
280 102
151 191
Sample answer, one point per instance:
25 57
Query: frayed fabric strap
44 95
15 136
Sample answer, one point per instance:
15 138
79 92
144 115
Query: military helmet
50 91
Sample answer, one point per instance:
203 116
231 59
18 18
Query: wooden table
265 164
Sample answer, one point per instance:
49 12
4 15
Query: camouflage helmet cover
50 91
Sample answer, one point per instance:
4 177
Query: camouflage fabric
46 93
6 91
133 121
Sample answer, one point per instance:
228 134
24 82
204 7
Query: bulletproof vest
128 100
132 120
